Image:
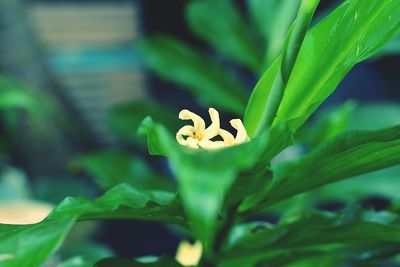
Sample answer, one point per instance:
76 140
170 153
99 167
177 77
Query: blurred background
77 77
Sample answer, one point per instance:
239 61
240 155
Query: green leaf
121 262
350 34
109 169
374 116
380 183
204 176
124 120
228 33
296 36
212 84
273 19
31 245
88 253
350 154
348 116
318 233
258 109
370 116
328 124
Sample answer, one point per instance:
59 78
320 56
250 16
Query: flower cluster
198 136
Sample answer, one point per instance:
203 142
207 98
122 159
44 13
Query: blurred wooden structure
91 51
84 54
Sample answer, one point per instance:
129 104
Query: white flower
198 136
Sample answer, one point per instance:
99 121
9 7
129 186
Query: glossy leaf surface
31 245
350 34
348 155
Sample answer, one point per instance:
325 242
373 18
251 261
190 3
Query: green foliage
296 36
204 176
89 254
273 19
112 168
330 124
176 61
313 235
31 245
221 190
124 120
120 262
351 116
238 43
349 154
346 33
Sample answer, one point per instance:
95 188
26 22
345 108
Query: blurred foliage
112 168
121 262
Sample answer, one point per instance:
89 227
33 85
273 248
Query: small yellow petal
188 254
192 142
227 137
187 130
211 145
212 130
241 135
198 122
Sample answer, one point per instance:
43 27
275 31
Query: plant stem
222 234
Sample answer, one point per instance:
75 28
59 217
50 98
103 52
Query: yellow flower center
198 136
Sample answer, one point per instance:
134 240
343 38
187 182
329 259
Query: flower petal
192 143
210 145
241 135
198 122
212 130
187 130
227 137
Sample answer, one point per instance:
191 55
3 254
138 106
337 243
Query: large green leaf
384 183
229 33
273 19
109 169
327 125
296 35
369 116
350 34
204 176
318 233
31 245
212 84
353 32
350 154
258 108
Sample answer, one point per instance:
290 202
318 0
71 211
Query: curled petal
198 122
192 142
210 145
227 137
241 135
187 130
212 130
